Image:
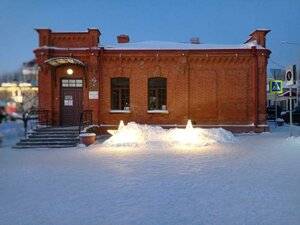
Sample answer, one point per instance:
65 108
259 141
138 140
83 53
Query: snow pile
293 139
136 135
197 137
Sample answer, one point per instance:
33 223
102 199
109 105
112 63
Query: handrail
86 119
36 118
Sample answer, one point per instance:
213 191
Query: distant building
18 97
282 99
162 83
30 72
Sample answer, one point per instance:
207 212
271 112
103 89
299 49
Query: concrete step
39 135
75 129
65 137
47 138
43 146
50 137
29 142
54 132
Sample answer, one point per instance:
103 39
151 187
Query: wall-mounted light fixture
70 71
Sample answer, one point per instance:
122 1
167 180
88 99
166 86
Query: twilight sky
213 21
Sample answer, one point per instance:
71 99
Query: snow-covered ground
10 133
250 179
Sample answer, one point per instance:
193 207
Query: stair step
52 136
59 138
43 146
47 143
57 128
54 132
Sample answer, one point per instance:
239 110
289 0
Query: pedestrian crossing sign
276 87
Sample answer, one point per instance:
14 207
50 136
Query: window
71 83
120 94
157 93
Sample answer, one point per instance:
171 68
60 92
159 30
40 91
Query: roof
164 45
287 94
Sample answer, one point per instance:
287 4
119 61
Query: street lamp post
290 43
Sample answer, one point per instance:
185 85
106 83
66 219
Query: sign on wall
276 86
93 94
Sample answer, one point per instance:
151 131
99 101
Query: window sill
158 111
119 111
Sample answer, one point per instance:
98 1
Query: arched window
120 94
157 93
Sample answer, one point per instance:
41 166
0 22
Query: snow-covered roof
164 45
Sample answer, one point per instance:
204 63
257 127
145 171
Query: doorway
71 101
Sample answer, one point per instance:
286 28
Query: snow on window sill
119 111
158 111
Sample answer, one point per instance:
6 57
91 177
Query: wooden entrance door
71 101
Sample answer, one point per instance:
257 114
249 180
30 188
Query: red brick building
161 83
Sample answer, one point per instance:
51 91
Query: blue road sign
276 86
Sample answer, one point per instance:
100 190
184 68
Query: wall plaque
93 94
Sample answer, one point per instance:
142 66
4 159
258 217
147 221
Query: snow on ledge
119 111
87 135
158 111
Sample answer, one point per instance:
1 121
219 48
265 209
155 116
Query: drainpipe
99 85
255 85
53 94
187 66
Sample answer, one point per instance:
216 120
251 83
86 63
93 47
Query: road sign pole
276 110
275 88
291 116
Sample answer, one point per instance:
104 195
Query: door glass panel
68 103
68 97
65 83
68 100
78 83
71 83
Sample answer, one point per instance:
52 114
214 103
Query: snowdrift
137 135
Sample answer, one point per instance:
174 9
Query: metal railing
34 118
86 119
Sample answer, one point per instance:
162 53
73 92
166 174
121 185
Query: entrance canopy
59 61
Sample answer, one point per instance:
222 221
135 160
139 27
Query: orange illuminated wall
212 87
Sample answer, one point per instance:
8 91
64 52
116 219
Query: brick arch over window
157 93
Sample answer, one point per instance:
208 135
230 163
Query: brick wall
210 87
209 90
